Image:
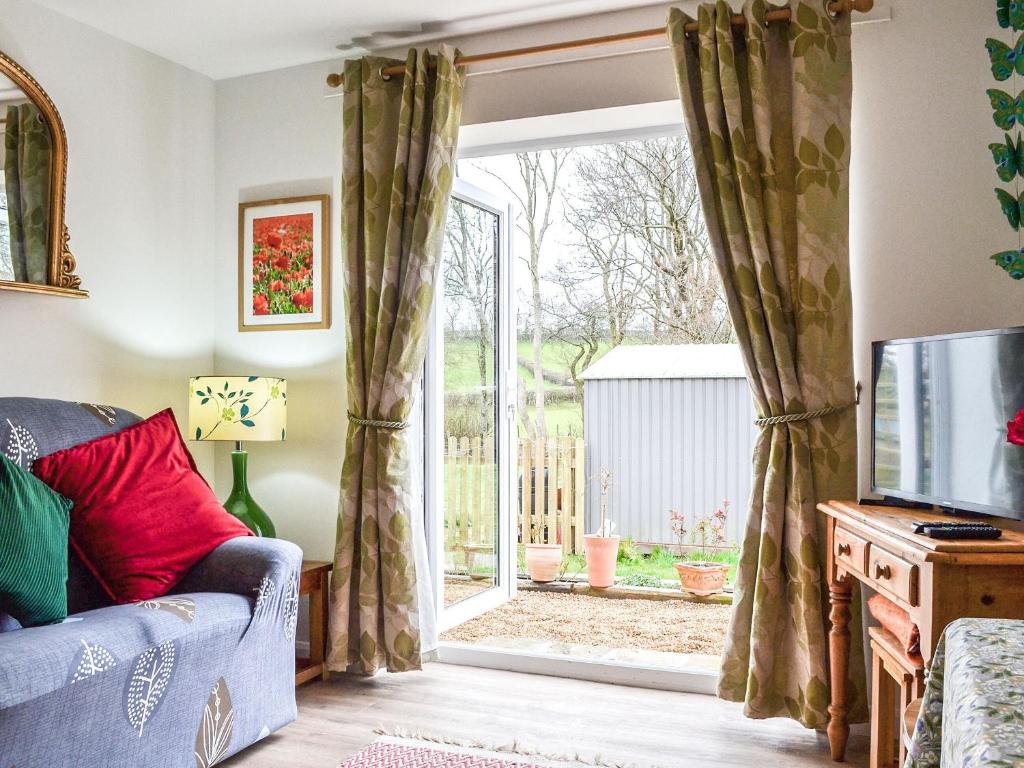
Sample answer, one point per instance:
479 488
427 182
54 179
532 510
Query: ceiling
228 38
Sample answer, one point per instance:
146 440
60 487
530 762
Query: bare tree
580 321
469 251
643 195
605 259
536 190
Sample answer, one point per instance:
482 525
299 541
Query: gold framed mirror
34 253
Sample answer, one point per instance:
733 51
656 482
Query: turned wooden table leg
839 595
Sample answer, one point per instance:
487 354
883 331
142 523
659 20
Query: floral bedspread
972 714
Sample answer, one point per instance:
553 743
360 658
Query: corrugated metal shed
675 426
669 361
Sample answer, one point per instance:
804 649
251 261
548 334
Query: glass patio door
470 413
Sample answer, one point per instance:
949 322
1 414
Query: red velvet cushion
142 514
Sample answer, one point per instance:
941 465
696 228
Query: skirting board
580 669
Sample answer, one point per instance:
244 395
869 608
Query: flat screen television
941 414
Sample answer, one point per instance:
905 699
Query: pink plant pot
602 554
702 579
543 561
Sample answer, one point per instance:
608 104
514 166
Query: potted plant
602 548
471 551
543 561
702 576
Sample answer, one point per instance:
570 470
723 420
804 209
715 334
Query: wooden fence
550 489
470 492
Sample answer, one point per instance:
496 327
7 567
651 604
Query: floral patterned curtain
767 109
27 184
399 142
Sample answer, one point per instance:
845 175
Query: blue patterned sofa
181 681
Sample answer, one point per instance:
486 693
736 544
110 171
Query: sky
560 239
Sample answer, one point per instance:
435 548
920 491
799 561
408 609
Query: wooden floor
630 725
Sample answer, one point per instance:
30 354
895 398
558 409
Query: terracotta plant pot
471 551
602 554
702 579
543 561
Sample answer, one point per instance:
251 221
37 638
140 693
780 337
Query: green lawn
560 419
461 372
643 569
633 568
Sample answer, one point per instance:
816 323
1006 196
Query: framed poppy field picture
284 264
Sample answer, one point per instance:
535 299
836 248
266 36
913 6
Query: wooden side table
935 581
313 582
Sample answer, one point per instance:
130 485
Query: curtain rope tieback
377 423
787 418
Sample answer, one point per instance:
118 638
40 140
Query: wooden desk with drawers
935 581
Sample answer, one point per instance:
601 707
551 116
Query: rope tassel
377 423
788 418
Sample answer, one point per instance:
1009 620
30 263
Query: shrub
628 552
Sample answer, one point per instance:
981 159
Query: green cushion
34 523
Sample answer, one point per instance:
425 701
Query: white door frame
505 426
545 132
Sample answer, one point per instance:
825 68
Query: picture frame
284 264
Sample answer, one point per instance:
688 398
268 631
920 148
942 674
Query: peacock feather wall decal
1007 62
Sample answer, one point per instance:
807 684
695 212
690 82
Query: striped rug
402 749
389 752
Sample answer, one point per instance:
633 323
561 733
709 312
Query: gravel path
675 626
460 589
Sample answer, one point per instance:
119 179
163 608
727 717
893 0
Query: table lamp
239 408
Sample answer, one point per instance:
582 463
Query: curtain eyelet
383 75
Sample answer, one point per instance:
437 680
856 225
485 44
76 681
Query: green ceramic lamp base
241 504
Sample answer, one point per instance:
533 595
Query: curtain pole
335 79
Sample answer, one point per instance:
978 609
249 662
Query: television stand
934 580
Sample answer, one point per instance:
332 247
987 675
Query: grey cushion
31 427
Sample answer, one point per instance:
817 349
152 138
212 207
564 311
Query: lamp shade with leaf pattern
239 408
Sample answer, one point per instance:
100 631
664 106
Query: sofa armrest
241 565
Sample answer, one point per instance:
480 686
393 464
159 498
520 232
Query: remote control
957 530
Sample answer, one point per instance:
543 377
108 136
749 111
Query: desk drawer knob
843 549
882 571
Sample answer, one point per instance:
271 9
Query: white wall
278 137
140 213
924 216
